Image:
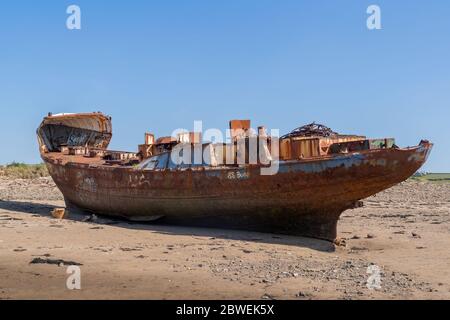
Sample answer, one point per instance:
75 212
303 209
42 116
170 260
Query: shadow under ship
319 175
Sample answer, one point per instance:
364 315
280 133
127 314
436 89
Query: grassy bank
433 177
23 171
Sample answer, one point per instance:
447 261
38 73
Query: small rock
92 218
349 264
370 236
59 213
302 294
340 242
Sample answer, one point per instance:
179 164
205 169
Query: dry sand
404 231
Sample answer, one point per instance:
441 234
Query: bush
19 170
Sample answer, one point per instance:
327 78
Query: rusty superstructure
319 174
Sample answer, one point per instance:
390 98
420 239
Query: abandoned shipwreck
318 175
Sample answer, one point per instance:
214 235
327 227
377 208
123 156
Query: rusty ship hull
305 197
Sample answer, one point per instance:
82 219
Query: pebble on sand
59 213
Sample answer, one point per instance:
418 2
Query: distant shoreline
433 177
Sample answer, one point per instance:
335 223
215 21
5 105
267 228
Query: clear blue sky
160 65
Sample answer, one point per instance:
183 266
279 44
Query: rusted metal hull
306 197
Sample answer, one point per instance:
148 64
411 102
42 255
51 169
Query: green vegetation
23 171
432 177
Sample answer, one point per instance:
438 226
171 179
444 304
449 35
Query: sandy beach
404 231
